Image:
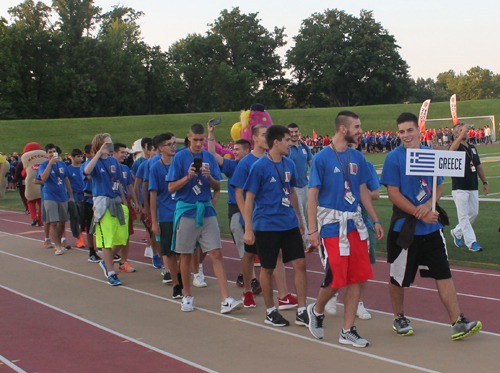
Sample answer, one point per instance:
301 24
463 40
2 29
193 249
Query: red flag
314 135
423 114
453 107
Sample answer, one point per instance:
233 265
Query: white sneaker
198 281
148 253
187 304
231 304
362 313
200 272
331 306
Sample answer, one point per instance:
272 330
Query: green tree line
71 59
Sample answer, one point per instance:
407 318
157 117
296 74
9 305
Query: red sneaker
287 302
80 244
248 300
256 261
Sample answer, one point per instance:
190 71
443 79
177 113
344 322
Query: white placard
428 162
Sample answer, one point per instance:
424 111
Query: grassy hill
72 133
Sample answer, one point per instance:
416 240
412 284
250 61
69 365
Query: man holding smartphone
195 218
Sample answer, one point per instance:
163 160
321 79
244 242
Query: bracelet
312 232
210 139
377 222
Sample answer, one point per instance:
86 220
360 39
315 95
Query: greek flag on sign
421 162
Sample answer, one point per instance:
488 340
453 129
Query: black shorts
251 249
269 244
166 233
427 252
88 215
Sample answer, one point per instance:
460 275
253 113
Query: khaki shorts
208 235
109 232
55 211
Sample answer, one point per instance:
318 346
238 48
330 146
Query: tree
342 60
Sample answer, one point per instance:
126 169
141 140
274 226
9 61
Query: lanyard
423 183
285 190
58 174
467 152
108 172
346 175
164 165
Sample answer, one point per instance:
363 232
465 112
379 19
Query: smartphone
198 163
214 122
111 147
56 155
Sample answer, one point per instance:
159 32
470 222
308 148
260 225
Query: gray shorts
55 211
238 232
208 235
44 214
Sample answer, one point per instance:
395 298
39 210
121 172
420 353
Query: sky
434 36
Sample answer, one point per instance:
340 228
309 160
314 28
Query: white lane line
261 326
11 364
111 331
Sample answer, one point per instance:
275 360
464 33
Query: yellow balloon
227 156
236 131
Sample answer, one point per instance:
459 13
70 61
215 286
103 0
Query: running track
48 328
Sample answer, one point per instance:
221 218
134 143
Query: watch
485 183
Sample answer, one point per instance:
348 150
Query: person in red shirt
428 138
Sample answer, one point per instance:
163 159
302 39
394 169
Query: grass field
486 225
75 133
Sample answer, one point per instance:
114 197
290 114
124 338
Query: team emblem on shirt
354 168
61 170
287 176
124 175
113 168
102 169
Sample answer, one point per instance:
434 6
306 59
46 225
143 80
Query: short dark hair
87 148
275 132
76 152
163 137
244 143
50 146
256 128
197 129
118 145
58 149
145 141
342 118
407 117
293 125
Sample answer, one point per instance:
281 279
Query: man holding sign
415 236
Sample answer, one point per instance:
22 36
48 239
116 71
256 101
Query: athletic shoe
256 288
163 271
274 318
457 241
310 249
248 300
198 281
80 244
187 304
145 238
301 318
34 222
40 223
94 258
157 261
315 322
113 280
475 247
351 337
117 258
463 328
125 267
362 313
231 304
177 294
104 269
167 278
59 252
256 261
27 212
402 326
65 244
48 245
148 253
331 306
200 272
239 280
287 302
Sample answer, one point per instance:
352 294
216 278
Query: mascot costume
32 157
249 118
4 170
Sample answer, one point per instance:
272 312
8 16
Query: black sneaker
256 288
177 292
94 258
167 278
274 318
34 222
27 212
301 318
239 280
117 258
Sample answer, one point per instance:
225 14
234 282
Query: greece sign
429 162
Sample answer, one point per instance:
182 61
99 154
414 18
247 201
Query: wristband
377 222
485 183
312 232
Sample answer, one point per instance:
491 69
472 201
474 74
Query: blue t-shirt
101 175
76 181
165 202
240 175
136 164
264 181
300 155
179 168
228 168
372 184
328 176
394 174
141 173
180 149
127 177
150 164
54 187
